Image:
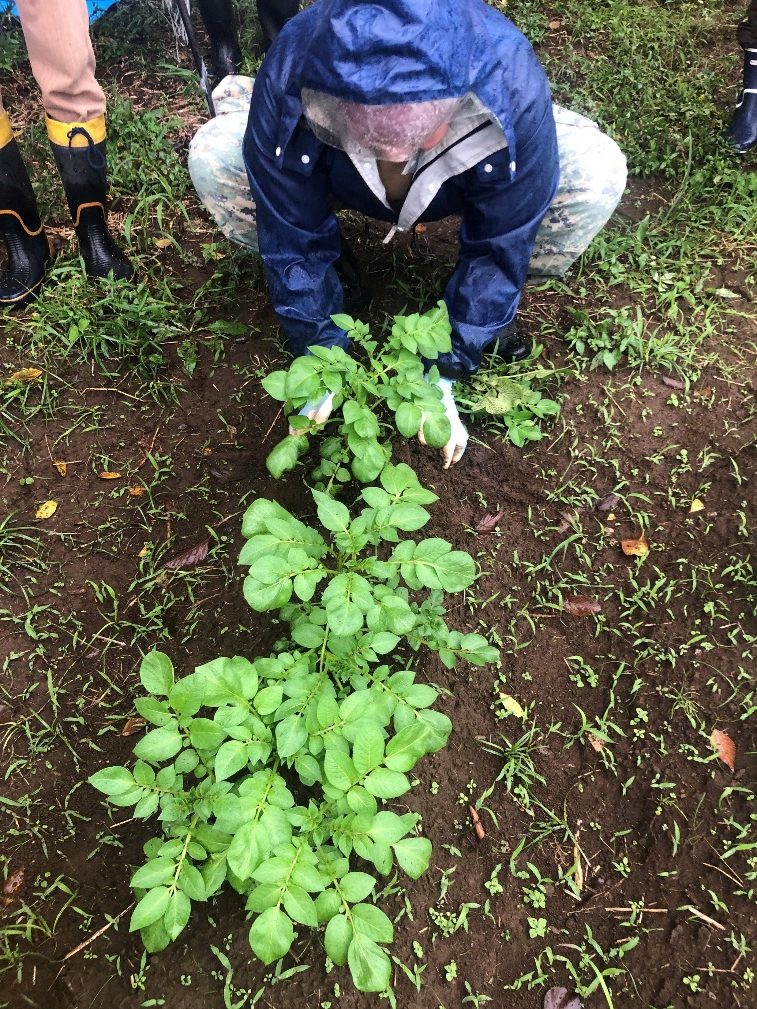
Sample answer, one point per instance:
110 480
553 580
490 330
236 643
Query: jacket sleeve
298 233
502 213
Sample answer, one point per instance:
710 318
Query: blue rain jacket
385 53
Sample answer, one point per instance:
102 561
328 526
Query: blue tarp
96 8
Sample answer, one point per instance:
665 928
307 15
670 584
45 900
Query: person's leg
217 168
221 25
742 131
273 15
63 63
592 180
20 227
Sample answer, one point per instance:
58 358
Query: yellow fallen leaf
109 475
25 375
207 451
61 467
511 706
144 551
136 491
161 243
635 548
696 506
578 875
46 510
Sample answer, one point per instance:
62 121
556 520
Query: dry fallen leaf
578 876
724 747
477 825
25 375
635 548
561 998
61 467
144 551
162 243
189 558
132 726
109 475
696 506
511 705
596 743
672 383
489 522
137 491
554 24
46 510
607 503
581 606
14 881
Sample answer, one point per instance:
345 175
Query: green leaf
408 418
386 784
205 734
269 584
156 673
291 735
300 906
151 907
283 457
191 882
332 515
339 769
187 695
370 967
112 780
371 922
177 914
159 744
368 750
436 429
413 855
406 748
243 855
345 322
337 939
275 385
271 935
356 886
327 904
387 828
156 872
231 757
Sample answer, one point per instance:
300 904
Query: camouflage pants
592 180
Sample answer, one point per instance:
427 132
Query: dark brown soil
62 625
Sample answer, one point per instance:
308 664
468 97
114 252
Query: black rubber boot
357 294
273 15
512 346
742 132
84 174
221 25
21 230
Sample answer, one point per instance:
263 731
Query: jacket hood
393 51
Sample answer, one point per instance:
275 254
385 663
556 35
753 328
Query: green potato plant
386 379
332 717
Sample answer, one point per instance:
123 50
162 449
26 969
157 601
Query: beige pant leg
63 63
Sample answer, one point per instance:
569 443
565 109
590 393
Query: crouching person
407 111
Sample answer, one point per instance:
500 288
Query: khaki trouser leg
63 63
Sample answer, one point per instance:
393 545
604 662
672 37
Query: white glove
458 442
318 411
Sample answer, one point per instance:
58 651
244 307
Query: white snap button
278 152
512 166
305 159
487 168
